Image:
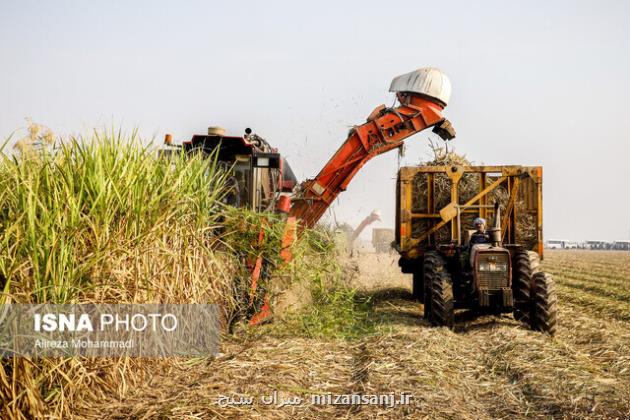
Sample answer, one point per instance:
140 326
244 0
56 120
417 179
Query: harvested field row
607 342
602 270
602 296
597 306
608 280
598 288
610 263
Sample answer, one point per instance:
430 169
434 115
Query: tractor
449 272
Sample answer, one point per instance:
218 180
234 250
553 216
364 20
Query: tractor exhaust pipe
495 232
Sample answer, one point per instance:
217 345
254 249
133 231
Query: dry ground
491 367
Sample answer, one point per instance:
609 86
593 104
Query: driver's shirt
479 238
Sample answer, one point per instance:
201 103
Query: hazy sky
533 83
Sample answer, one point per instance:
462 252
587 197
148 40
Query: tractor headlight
493 266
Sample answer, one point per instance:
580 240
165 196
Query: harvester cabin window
242 173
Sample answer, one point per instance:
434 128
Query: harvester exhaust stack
216 131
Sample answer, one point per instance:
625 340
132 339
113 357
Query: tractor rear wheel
524 265
418 283
428 267
441 307
545 301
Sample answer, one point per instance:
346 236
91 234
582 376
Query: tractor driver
480 236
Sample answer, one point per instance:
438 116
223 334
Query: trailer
382 240
432 210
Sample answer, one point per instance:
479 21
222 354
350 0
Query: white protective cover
428 81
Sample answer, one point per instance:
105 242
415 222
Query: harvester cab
260 178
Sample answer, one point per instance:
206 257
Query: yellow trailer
436 204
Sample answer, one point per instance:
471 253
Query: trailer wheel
525 264
418 283
441 308
544 315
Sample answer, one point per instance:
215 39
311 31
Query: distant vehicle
560 244
382 239
621 245
598 245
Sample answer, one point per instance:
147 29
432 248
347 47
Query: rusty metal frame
511 175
